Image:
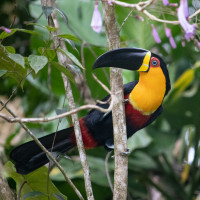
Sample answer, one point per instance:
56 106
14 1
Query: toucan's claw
125 101
126 153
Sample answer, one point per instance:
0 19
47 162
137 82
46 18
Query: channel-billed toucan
143 104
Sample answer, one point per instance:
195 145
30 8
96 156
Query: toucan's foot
125 101
126 153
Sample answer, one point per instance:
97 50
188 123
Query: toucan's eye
154 62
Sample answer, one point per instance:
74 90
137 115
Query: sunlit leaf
35 186
49 53
13 63
2 72
51 29
4 34
37 62
17 58
10 49
68 36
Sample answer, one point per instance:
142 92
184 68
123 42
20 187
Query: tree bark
118 115
5 192
63 60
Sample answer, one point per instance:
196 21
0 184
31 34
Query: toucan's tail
29 156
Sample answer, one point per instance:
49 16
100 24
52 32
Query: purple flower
185 7
198 45
5 29
169 35
182 14
167 32
183 43
140 18
166 2
172 42
173 4
155 34
96 22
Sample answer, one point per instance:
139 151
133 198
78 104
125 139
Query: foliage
33 185
164 155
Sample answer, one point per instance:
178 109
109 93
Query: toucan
143 104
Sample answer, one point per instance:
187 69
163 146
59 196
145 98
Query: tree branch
119 122
65 61
46 151
5 192
48 119
140 7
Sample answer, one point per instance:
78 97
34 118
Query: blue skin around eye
154 62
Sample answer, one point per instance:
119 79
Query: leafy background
164 155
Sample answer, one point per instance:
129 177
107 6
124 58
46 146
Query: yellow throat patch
148 94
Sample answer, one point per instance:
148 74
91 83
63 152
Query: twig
107 170
102 85
46 151
20 190
52 20
140 7
118 116
48 119
126 19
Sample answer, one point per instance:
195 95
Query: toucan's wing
99 123
127 90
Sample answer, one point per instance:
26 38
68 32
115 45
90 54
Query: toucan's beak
125 58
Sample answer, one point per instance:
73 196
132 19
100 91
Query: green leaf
10 49
27 31
2 72
64 16
68 36
51 29
139 140
71 57
49 53
11 64
32 194
75 68
39 25
4 34
37 62
17 58
62 69
35 185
